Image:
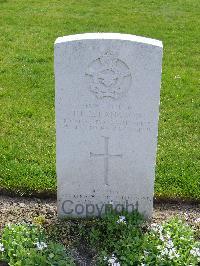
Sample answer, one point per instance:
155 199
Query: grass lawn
28 30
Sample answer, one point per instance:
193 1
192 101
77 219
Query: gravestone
107 108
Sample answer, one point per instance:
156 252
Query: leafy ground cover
114 240
127 240
89 239
26 244
28 31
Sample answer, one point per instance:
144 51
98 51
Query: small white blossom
156 227
177 255
173 254
113 261
177 77
164 252
1 247
197 220
116 264
170 244
146 253
162 238
195 252
41 245
122 219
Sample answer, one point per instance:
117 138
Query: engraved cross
106 157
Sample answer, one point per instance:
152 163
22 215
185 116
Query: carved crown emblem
109 77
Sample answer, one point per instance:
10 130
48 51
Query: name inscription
92 117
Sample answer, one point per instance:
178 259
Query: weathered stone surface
107 107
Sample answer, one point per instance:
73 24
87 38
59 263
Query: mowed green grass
28 31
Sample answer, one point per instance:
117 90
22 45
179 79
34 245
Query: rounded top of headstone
109 36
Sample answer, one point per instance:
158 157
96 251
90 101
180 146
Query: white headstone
107 108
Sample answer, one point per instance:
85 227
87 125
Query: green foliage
126 240
110 225
28 31
27 244
171 243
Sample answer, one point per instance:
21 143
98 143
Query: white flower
197 220
41 245
116 264
156 227
113 261
1 247
146 253
164 252
177 77
176 255
170 244
122 219
173 254
159 247
195 252
162 238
